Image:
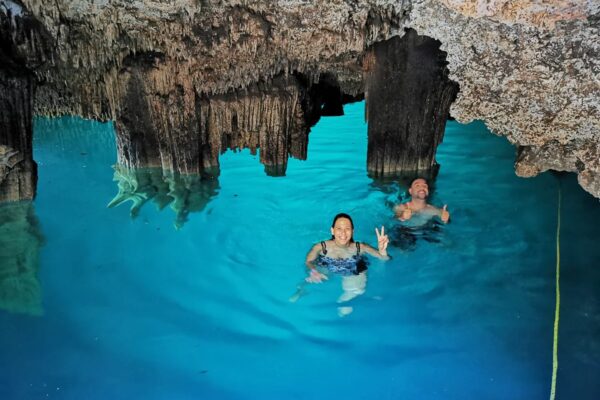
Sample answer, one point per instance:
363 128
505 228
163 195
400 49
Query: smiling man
417 206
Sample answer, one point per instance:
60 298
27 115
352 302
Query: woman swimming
341 254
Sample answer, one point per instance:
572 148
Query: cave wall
529 70
215 46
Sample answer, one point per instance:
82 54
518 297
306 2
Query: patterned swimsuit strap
358 248
324 248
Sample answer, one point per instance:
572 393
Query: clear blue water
135 308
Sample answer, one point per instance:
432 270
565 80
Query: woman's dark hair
343 215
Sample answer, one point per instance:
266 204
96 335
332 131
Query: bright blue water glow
133 308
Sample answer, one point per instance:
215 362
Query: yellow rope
557 309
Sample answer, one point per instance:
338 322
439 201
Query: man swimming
417 210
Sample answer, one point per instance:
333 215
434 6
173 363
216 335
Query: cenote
181 289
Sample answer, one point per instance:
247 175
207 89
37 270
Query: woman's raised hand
382 241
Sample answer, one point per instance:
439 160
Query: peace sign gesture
382 241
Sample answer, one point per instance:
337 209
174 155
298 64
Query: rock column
408 101
24 47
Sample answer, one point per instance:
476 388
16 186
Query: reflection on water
183 193
20 242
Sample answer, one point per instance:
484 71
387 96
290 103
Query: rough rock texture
408 100
24 46
529 70
210 46
18 175
274 116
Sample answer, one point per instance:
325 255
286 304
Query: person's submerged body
418 218
405 236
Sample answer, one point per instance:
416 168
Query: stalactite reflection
184 194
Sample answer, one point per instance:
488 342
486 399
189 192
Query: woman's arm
314 276
312 256
370 250
382 243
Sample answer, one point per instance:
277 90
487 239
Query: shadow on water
20 242
183 193
405 237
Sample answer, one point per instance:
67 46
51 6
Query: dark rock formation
408 101
24 46
20 242
185 131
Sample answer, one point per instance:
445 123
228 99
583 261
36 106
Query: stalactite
184 131
408 101
24 46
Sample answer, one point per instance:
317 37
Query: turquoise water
177 305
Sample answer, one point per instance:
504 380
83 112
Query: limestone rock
408 100
530 70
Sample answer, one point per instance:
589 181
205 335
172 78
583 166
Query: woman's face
342 231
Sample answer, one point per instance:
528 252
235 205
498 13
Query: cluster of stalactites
222 46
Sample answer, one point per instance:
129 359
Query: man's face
419 189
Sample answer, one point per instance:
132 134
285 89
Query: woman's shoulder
322 243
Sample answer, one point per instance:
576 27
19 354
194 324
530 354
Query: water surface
187 305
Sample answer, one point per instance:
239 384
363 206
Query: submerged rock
20 242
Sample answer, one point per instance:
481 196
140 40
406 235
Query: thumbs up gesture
445 215
405 214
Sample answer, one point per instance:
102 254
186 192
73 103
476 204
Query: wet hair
416 179
343 215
